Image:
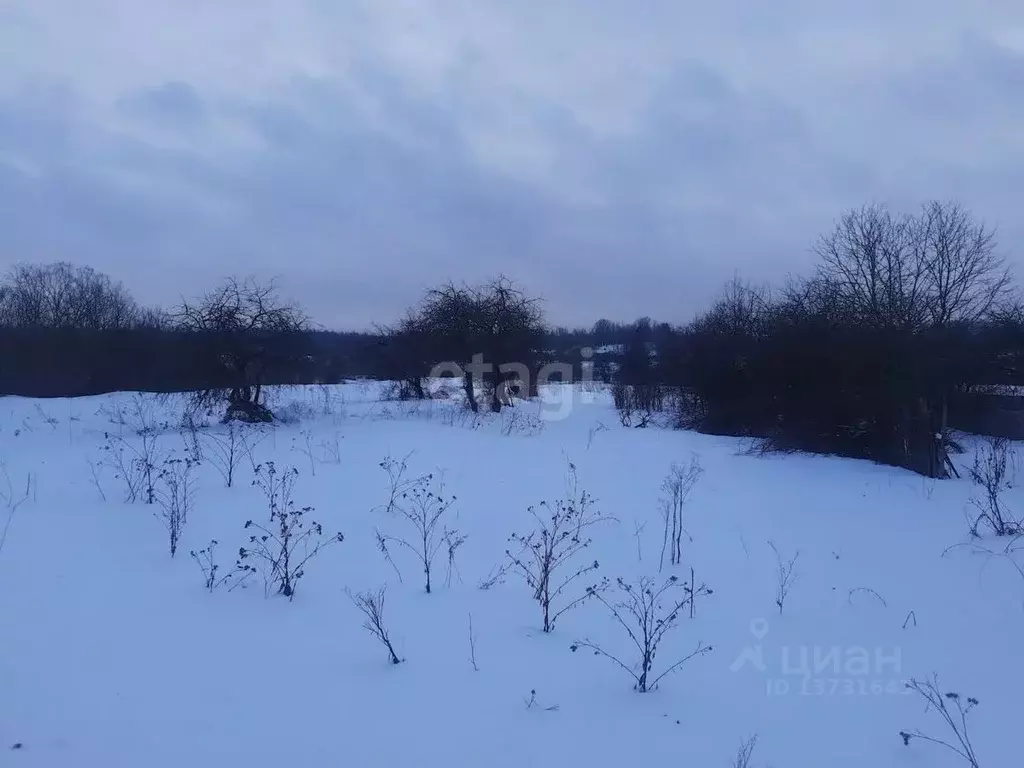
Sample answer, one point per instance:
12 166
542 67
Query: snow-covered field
114 654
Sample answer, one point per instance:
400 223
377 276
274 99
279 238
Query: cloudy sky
617 158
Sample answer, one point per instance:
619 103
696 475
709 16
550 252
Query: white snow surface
113 654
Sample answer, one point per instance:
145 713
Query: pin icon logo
759 628
753 654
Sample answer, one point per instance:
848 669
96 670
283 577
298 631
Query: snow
113 654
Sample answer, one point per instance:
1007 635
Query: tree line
903 316
68 330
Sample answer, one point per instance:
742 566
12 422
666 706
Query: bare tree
248 327
966 277
61 295
741 308
513 330
449 316
6 308
875 261
491 331
937 268
406 355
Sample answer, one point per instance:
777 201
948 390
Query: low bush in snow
952 709
11 499
174 495
546 557
992 472
207 561
647 613
638 404
371 604
281 549
423 510
676 489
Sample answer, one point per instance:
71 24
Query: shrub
953 709
225 449
134 464
10 500
638 404
676 489
175 495
423 509
785 575
372 606
282 549
206 560
992 471
551 549
647 613
745 753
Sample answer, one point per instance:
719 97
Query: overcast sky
617 158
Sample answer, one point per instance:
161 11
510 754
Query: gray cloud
622 168
172 104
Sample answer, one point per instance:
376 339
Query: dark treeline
877 354
45 362
67 331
